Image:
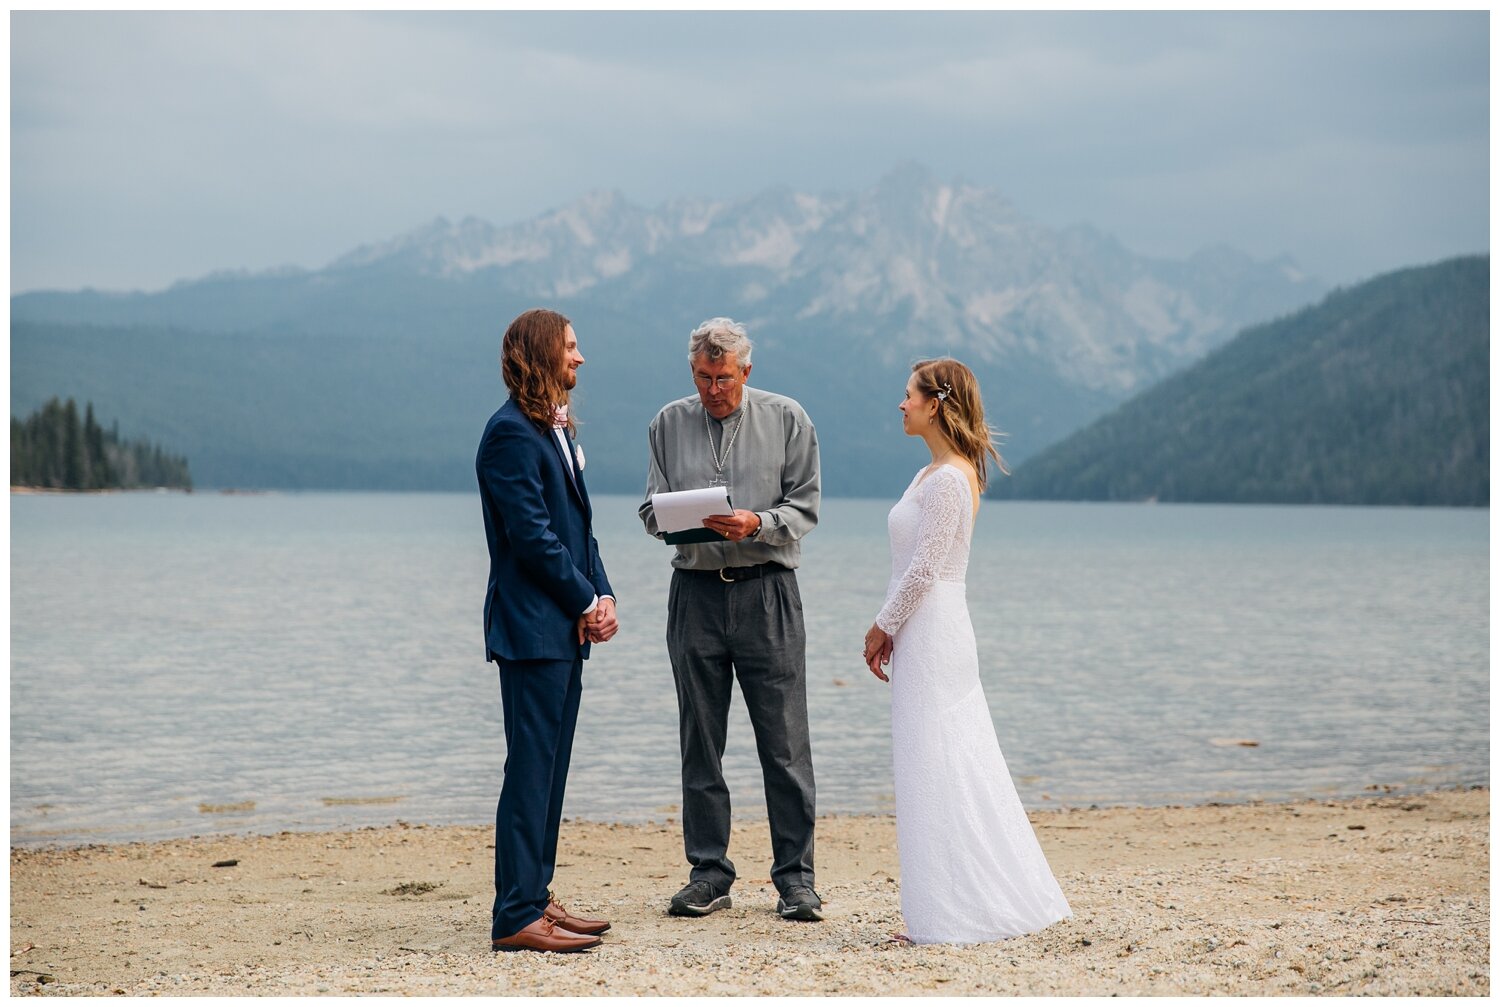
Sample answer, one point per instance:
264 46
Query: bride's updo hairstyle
960 413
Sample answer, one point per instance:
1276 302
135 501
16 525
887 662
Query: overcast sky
146 148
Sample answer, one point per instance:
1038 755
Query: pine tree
74 462
93 435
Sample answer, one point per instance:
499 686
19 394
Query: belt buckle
727 580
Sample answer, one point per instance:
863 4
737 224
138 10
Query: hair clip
944 392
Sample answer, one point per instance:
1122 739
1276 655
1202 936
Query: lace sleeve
943 501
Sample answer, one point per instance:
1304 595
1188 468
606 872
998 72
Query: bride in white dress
971 868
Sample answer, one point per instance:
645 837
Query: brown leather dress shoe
577 924
544 935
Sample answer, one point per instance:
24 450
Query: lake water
216 663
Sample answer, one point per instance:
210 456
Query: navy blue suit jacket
544 561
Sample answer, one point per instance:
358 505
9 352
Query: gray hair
719 337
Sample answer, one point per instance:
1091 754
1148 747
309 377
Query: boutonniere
578 453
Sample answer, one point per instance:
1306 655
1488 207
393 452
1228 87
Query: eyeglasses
723 383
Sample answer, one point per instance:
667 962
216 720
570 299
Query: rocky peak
921 260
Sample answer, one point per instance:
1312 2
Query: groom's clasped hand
600 625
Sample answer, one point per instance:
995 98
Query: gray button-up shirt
772 470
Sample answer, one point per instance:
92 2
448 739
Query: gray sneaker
699 898
799 903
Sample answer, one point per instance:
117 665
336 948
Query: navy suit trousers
540 704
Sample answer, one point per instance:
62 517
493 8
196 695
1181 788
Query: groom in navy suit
547 600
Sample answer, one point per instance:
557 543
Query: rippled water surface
189 664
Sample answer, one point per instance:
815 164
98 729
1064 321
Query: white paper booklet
685 510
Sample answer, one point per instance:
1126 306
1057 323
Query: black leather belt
730 574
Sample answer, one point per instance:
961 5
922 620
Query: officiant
734 611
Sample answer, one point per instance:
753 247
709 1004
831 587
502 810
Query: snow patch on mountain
775 248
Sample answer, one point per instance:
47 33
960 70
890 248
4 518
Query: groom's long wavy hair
532 365
960 414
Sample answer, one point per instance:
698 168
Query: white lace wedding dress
971 868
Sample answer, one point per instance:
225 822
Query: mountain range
379 369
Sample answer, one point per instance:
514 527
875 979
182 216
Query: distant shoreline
55 491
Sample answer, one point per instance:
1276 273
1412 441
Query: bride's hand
878 649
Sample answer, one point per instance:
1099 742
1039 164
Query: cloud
146 147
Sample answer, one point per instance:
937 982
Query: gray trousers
751 629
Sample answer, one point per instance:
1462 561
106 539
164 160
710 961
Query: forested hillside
1377 395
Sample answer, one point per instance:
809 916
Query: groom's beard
570 378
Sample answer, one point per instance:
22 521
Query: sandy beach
1381 895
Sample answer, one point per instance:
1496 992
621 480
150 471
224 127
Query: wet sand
1386 895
